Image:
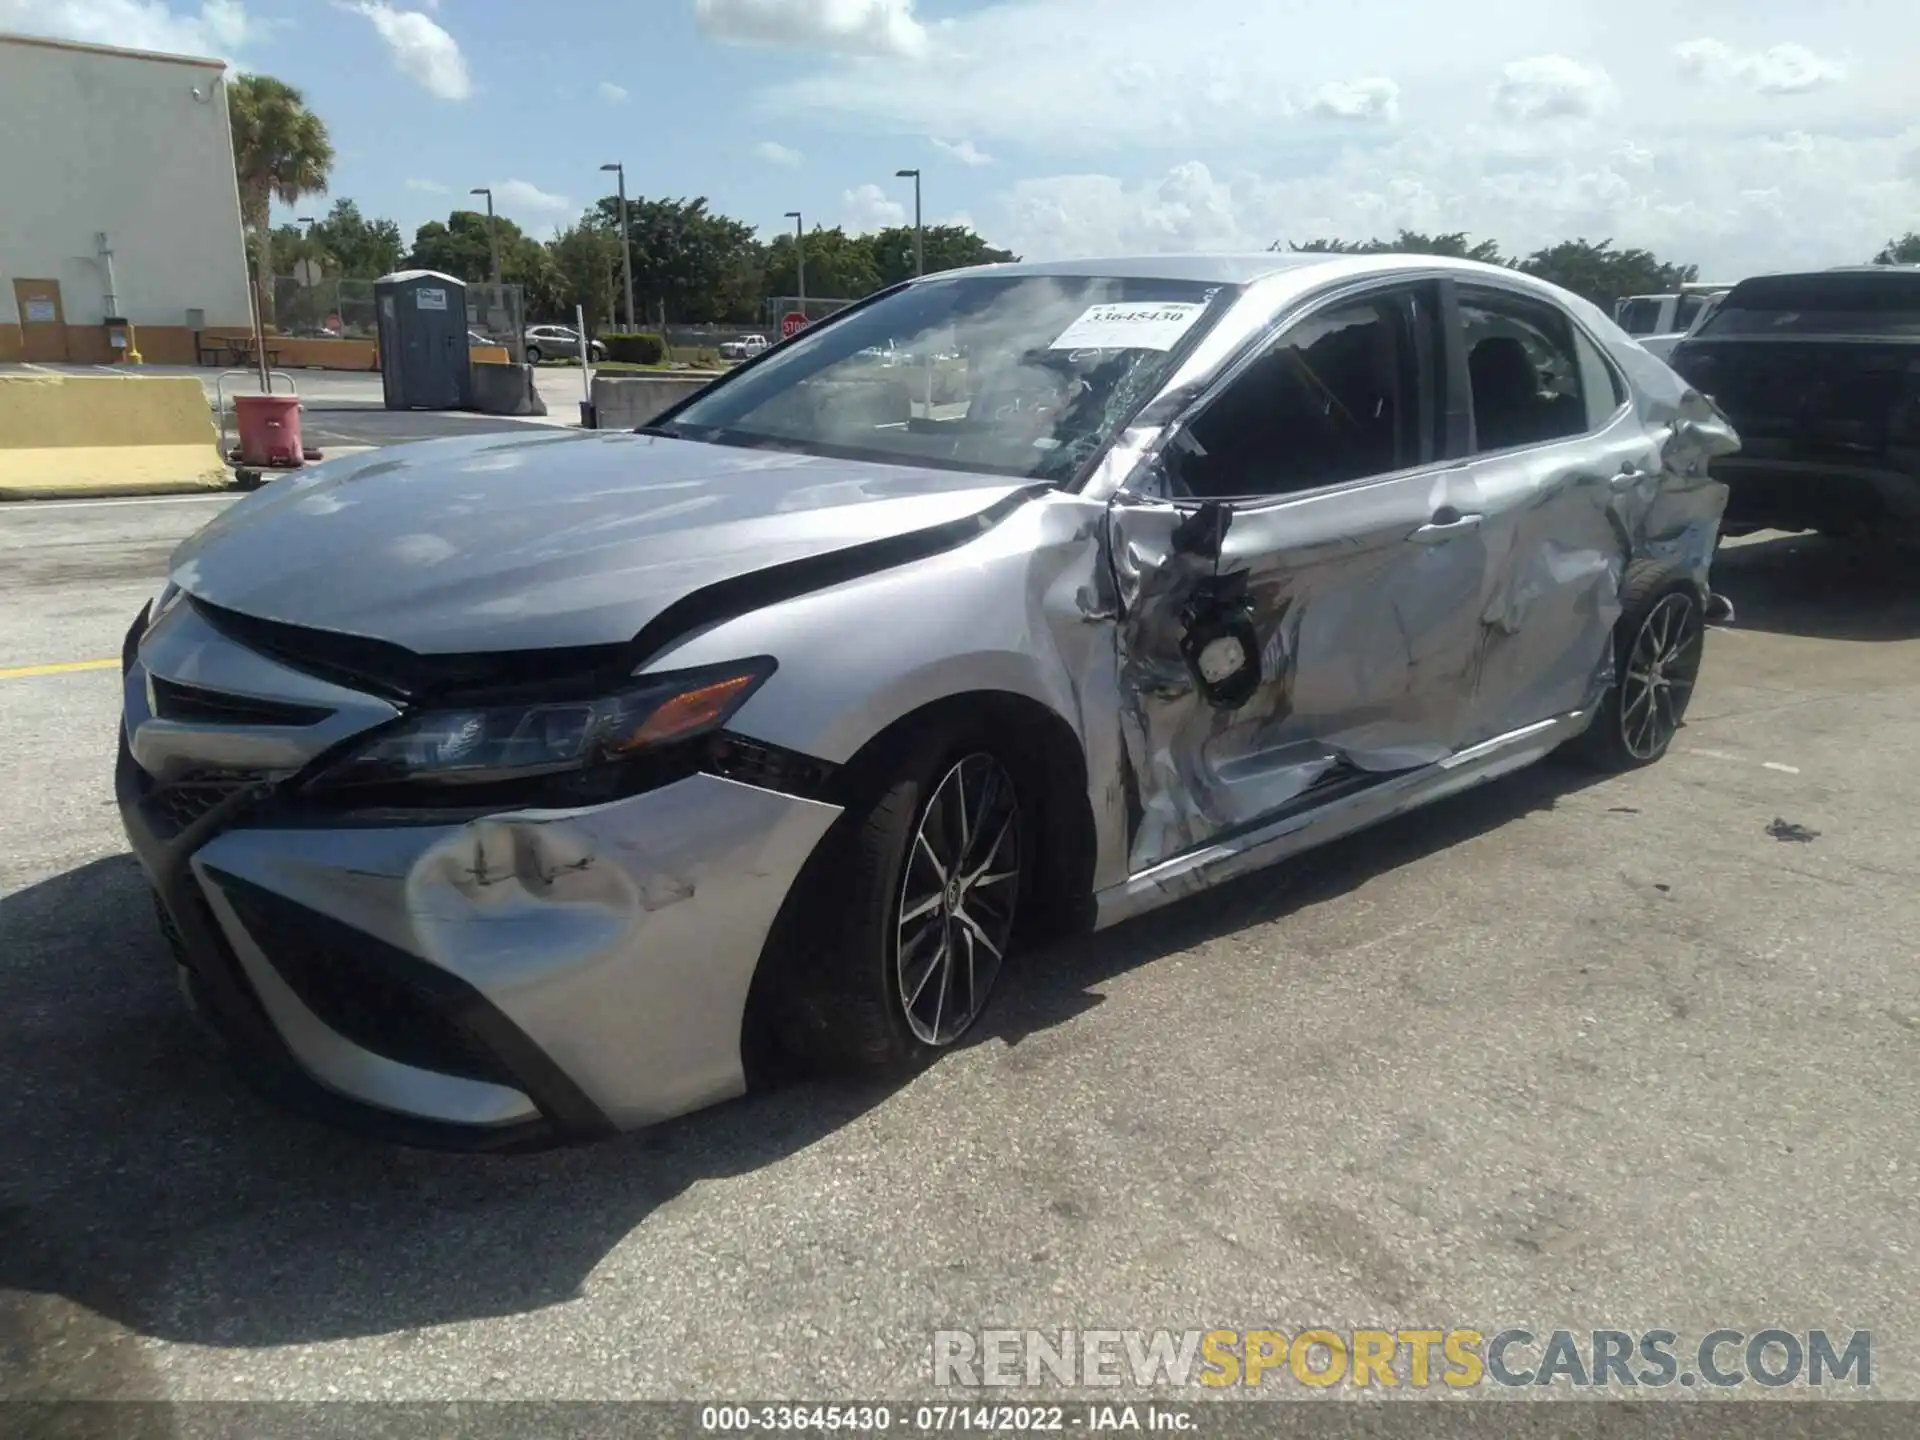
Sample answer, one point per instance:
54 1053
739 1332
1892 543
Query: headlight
484 745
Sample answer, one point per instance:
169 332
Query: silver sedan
508 790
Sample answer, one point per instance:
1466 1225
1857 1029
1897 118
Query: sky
1741 135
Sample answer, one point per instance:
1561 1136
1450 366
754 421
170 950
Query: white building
117 198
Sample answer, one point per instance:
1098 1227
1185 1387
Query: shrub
635 348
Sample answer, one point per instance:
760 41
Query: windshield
1021 375
1834 303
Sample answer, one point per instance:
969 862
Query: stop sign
791 324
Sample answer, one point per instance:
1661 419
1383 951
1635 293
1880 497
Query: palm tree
280 152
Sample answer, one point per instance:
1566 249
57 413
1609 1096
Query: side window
1336 398
1524 371
1640 317
1688 312
1605 391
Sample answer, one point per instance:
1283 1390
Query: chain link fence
498 312
338 309
330 309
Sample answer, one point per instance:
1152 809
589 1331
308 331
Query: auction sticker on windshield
1136 326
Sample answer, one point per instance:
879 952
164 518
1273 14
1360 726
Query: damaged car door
1564 472
1302 571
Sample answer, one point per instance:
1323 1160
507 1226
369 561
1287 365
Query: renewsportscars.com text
1416 1359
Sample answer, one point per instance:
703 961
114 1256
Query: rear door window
1525 371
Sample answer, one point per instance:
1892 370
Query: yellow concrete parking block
83 435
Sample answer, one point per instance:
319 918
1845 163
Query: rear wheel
533 354
1658 645
911 915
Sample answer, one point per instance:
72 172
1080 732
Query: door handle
1447 522
1626 479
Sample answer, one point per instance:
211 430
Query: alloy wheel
1660 673
957 899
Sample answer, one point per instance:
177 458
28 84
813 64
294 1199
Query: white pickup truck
1659 322
744 347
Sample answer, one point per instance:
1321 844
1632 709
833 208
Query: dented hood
529 540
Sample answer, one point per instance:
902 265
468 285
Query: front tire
1658 644
533 354
912 914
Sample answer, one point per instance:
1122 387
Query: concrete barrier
625 402
105 435
503 389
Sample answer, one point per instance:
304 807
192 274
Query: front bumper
503 983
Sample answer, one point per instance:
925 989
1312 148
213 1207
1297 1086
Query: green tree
1904 251
946 247
281 151
1594 269
355 247
700 265
460 248
586 260
1408 242
292 244
839 266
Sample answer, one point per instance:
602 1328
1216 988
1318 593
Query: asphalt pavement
1558 1053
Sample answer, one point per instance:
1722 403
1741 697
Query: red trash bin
269 430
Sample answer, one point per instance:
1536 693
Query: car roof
1221 269
1247 269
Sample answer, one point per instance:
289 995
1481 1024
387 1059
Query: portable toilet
422 320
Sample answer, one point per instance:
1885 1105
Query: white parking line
43 505
1741 760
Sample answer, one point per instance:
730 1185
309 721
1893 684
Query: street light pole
799 257
626 239
493 234
919 231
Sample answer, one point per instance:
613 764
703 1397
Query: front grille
191 704
176 942
175 805
382 668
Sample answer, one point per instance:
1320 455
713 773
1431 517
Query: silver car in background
516 789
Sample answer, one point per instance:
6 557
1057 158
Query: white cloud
520 197
1071 215
840 27
611 93
428 187
1103 108
1779 70
867 208
774 153
216 29
422 51
1550 87
1376 99
965 151
1734 205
